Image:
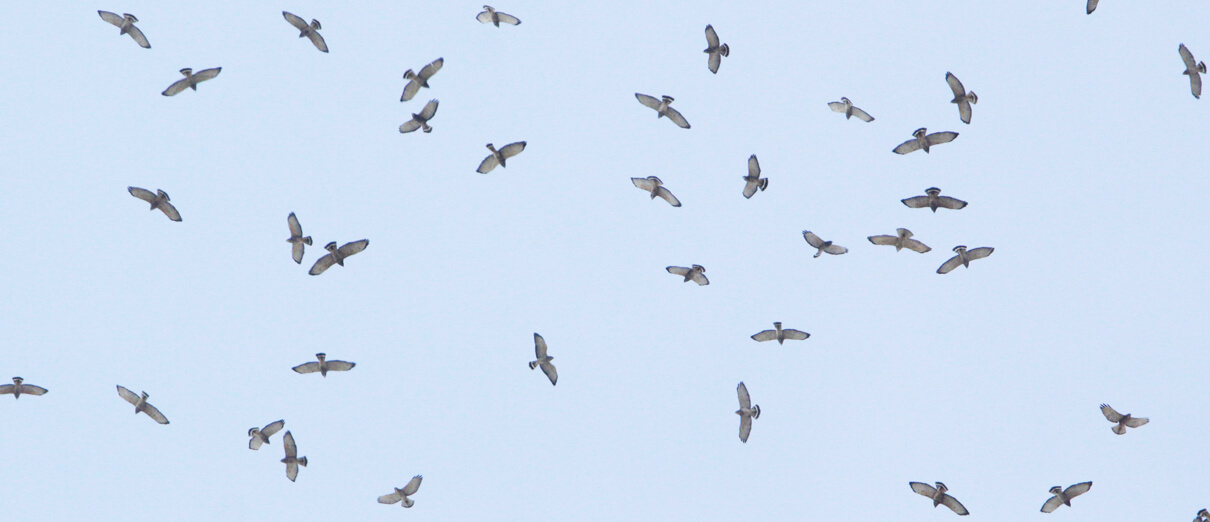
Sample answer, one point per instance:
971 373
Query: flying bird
421 79
933 199
1202 516
337 255
1123 421
662 109
656 187
961 97
922 140
939 496
498 157
849 110
1064 496
297 241
308 30
964 258
716 51
403 494
158 200
780 335
141 405
1192 69
126 24
695 274
495 17
324 366
753 180
292 461
543 361
421 119
261 435
746 412
17 388
823 246
902 239
1092 5
191 80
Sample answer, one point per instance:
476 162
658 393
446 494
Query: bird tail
725 50
302 462
818 253
1201 67
307 240
1119 429
764 183
756 411
533 364
427 129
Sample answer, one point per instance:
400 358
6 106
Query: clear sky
1084 166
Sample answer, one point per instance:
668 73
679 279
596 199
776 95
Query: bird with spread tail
544 360
18 388
964 258
696 273
126 24
780 335
1123 421
1062 497
292 461
402 494
324 366
939 496
921 139
141 405
902 239
336 256
498 157
191 80
261 435
753 180
747 411
662 109
158 200
310 30
715 50
656 187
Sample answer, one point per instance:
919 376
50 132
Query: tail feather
533 364
307 240
725 50
764 183
1119 429
302 462
756 411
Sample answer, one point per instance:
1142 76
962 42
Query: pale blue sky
1083 166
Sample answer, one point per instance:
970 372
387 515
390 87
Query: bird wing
745 427
1195 84
512 149
941 137
648 101
506 18
837 107
411 125
765 335
255 443
430 110
288 442
923 489
170 211
206 74
413 485
310 367
29 389
318 40
979 253
389 499
354 247
297 22
484 17
750 188
955 85
1134 422
128 395
644 183
410 90
429 70
154 413
551 373
272 428
292 470
715 60
711 37
663 192
916 202
862 115
114 19
745 400
952 263
1076 490
916 246
176 87
964 111
137 34
1110 413
795 335
7 388
295 227
340 366
753 166
884 240
678 270
1092 5
1186 56
676 117
487 164
948 202
296 251
835 249
539 346
321 264
911 145
952 503
143 194
1052 504
812 239
700 279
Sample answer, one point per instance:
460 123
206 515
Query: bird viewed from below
696 273
498 157
1092 6
420 120
655 187
753 180
494 17
716 51
191 80
261 435
141 405
297 241
18 388
747 411
1123 421
310 30
922 140
846 107
939 496
324 366
158 200
544 360
126 24
336 256
780 335
1193 70
421 79
402 494
662 109
964 258
932 199
961 97
821 245
292 461
1062 497
902 239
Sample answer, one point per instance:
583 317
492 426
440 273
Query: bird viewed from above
964 257
310 30
821 245
922 140
846 107
420 120
191 80
421 79
932 199
544 360
780 335
662 109
902 239
158 200
494 17
324 366
747 411
1062 497
1194 70
715 50
336 256
126 24
752 181
141 405
655 187
696 273
498 157
939 496
292 460
261 435
18 388
402 494
297 241
961 97
1123 421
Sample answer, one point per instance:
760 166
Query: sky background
1083 166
